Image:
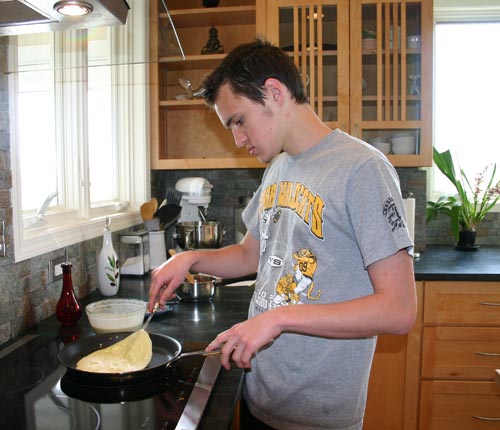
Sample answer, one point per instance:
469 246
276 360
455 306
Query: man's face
253 125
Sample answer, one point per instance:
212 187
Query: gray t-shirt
322 217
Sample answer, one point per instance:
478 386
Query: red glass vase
68 309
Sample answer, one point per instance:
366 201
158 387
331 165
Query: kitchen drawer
461 352
468 303
454 405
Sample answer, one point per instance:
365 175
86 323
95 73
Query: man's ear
275 89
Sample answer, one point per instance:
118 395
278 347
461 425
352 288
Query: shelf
202 17
183 104
204 163
209 61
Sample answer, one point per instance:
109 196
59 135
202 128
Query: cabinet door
185 134
391 77
316 33
459 405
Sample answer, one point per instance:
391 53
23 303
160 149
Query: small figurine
213 45
210 3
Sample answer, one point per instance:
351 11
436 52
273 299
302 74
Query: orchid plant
472 202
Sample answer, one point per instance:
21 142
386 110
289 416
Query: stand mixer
196 196
193 230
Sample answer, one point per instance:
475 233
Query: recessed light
73 7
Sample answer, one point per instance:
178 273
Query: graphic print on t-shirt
291 286
296 282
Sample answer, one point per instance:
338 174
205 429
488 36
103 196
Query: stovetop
37 394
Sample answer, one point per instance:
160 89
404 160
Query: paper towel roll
409 204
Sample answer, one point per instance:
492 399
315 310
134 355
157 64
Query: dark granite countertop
441 263
201 322
186 322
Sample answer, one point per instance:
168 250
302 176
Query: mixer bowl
199 234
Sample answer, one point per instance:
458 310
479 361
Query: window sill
38 241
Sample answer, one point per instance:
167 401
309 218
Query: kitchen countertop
444 263
186 322
189 322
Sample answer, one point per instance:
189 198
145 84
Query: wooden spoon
189 277
148 209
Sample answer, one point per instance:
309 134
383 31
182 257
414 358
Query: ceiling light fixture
73 7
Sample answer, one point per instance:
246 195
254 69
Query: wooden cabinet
394 379
383 91
460 352
185 134
363 73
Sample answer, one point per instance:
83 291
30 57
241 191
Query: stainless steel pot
202 290
199 234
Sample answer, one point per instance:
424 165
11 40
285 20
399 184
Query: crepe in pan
128 355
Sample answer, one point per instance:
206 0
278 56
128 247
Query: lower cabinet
394 380
459 405
441 376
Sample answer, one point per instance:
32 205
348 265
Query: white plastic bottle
108 266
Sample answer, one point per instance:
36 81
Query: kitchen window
466 89
79 132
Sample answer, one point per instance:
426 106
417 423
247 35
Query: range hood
36 16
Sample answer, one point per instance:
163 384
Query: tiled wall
230 184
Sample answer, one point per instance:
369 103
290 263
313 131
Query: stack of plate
383 144
404 143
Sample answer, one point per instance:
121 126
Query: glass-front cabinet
367 65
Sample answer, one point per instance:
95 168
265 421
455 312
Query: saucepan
166 351
199 234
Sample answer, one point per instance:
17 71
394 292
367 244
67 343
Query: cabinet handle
477 417
489 304
492 354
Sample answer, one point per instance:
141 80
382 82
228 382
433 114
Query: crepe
128 355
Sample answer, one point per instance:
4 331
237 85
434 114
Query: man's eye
239 123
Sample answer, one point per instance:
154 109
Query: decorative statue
210 3
213 45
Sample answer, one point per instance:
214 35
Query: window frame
461 11
63 228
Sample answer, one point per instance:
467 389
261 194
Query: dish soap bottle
108 267
68 309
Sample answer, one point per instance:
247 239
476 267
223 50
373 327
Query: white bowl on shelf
383 144
404 143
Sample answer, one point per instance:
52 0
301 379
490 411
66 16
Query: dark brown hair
247 67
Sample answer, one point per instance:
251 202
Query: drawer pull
489 304
485 418
491 354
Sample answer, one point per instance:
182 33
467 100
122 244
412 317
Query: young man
328 239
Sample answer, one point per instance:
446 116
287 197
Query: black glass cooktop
37 394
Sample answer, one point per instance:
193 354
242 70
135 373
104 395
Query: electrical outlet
55 269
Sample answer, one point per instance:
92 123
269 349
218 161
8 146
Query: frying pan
166 350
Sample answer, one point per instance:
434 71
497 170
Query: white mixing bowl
116 315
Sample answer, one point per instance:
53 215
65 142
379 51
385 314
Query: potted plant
468 207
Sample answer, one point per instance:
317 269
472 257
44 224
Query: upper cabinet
367 66
185 134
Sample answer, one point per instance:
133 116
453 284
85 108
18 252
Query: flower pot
467 241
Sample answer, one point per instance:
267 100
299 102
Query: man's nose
239 138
